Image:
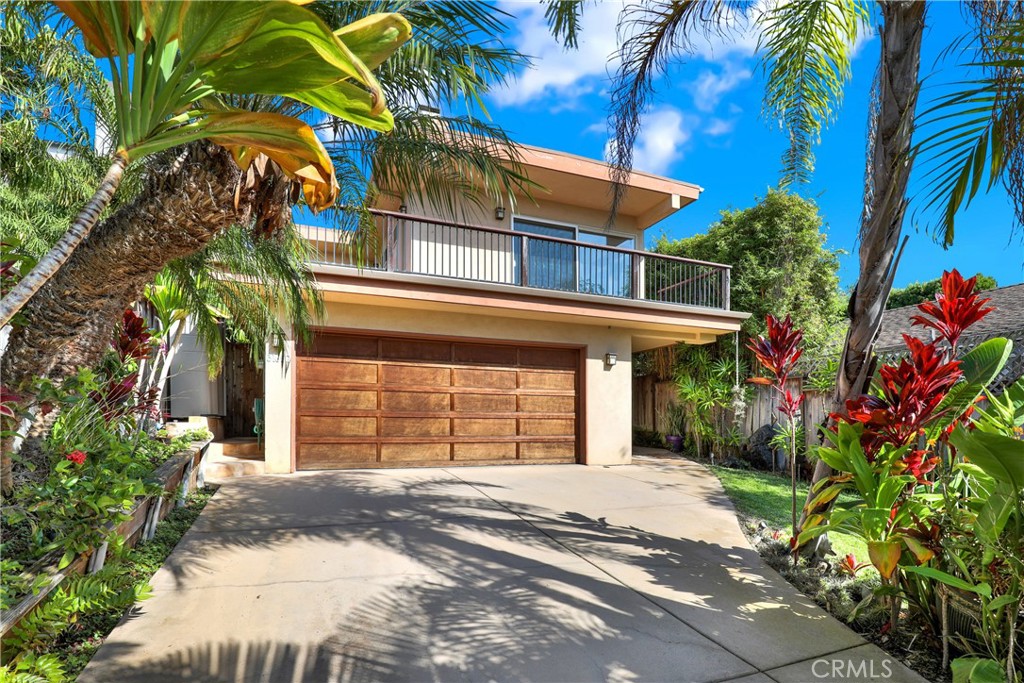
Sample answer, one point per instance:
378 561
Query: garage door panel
314 426
342 346
415 452
484 427
538 357
415 349
487 379
332 372
546 427
537 379
547 404
331 455
486 354
326 400
429 402
485 451
417 375
484 403
552 450
414 426
414 401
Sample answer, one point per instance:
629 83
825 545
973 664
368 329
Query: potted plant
675 425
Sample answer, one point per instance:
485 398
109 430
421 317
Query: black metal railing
403 243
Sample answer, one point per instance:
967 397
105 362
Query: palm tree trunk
885 202
58 255
188 197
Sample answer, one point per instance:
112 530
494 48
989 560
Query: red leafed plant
778 353
955 308
850 566
913 390
133 338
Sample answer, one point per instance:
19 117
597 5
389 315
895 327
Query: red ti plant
912 392
778 353
132 340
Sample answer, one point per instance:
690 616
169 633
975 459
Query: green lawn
766 496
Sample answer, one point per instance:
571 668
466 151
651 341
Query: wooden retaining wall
178 476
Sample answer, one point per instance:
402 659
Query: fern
100 592
33 669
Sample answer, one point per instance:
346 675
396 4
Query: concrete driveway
542 573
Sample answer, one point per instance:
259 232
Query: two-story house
506 337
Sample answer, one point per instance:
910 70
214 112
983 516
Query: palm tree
170 61
806 51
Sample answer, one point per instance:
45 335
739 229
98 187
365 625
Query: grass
77 644
766 496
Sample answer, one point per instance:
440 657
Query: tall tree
170 61
780 263
806 49
919 292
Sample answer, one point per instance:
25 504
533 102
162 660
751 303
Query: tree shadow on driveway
423 576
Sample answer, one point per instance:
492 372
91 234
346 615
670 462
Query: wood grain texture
365 401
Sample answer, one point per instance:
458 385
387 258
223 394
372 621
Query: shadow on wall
493 597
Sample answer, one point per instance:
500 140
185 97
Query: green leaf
981 365
1000 457
1003 601
66 558
374 38
994 514
950 580
977 670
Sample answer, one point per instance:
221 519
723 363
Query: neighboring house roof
1006 321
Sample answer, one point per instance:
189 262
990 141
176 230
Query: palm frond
972 135
564 19
250 288
806 51
449 163
652 33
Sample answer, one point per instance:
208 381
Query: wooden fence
651 399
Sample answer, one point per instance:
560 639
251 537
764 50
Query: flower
955 308
849 565
77 457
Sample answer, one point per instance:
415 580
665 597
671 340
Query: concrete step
242 447
228 467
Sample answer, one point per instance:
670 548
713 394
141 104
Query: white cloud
664 133
711 86
717 127
559 74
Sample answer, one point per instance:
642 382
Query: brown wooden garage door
371 401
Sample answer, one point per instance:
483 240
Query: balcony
468 254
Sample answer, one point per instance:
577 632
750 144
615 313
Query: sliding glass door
576 268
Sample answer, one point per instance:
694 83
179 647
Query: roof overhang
586 182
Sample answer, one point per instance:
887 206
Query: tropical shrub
778 353
938 484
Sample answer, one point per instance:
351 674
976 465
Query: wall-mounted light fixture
611 359
403 209
499 213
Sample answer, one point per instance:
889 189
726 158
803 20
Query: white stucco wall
607 429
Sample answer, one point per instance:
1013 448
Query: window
574 268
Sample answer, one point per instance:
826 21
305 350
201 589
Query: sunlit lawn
766 496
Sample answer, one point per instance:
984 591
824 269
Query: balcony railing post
524 260
391 242
634 271
725 289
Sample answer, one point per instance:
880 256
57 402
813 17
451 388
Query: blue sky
706 128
